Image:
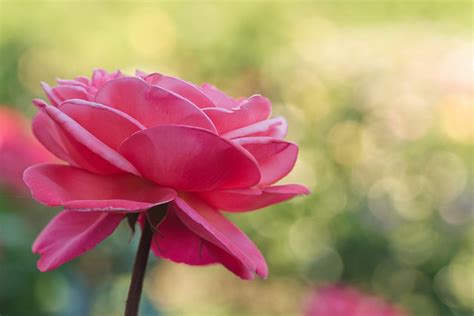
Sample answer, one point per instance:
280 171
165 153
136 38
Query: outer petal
83 79
70 82
70 234
76 189
215 228
47 134
219 98
109 125
66 92
275 157
100 77
175 241
190 159
276 127
185 89
253 110
53 98
83 148
252 199
151 105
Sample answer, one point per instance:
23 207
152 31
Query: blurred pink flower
340 300
18 150
134 142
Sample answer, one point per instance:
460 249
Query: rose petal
190 159
215 228
83 79
109 125
219 98
53 98
84 148
100 77
66 92
276 127
46 132
76 189
275 157
251 199
176 242
69 82
253 110
151 105
185 89
70 234
140 73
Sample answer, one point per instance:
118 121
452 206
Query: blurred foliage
378 94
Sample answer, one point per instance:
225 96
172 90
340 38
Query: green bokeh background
379 95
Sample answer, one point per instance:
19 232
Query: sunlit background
378 94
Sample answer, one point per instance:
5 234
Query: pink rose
135 142
339 300
18 150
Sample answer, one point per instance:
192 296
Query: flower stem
139 268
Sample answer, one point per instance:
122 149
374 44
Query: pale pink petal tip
39 103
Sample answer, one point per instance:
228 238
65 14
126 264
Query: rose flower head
159 151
